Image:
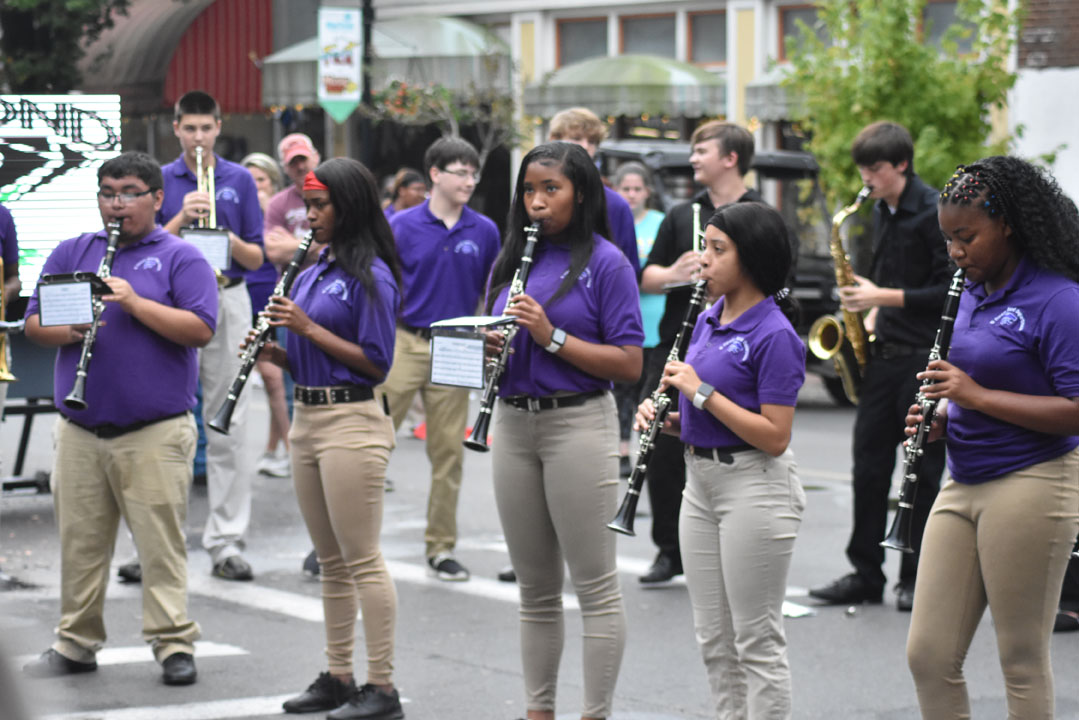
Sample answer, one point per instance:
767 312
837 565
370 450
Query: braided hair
1044 222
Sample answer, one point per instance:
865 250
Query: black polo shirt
674 237
909 253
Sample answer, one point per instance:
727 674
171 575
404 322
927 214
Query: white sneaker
273 466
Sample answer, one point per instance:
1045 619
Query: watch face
559 336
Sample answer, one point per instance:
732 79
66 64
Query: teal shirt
652 306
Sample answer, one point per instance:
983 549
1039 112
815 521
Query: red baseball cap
295 145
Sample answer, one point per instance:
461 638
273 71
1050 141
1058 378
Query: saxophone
841 338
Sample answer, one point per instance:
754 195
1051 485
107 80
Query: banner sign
50 149
340 61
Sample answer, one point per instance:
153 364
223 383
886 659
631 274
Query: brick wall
1050 34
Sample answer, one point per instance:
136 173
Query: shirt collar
180 169
909 202
154 236
464 221
1025 272
745 322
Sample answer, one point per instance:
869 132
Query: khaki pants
446 409
228 483
339 458
1004 544
142 476
737 528
556 486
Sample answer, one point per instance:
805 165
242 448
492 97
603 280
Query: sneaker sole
446 577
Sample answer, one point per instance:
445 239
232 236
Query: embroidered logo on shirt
149 263
467 247
737 345
227 194
585 277
1009 317
337 287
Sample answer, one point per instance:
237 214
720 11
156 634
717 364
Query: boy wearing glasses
234 207
446 251
129 452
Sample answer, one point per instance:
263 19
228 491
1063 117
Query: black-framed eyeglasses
464 174
124 197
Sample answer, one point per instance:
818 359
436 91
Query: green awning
629 85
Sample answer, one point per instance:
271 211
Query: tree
42 40
874 64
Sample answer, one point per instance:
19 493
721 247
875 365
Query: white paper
457 360
474 321
213 243
65 303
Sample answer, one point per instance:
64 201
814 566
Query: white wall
1046 103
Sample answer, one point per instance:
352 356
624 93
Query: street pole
366 153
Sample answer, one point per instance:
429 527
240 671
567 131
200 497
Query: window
581 39
938 16
648 35
708 38
791 31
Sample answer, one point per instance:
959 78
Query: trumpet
842 338
478 439
5 328
223 418
899 536
204 182
76 399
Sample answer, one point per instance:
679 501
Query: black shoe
663 570
1067 621
130 572
625 468
507 574
311 566
179 669
53 664
444 566
904 596
233 568
326 693
849 589
370 703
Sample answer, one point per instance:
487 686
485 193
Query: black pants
666 475
1069 594
887 391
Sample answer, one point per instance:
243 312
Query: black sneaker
848 590
326 693
663 570
904 596
370 703
507 574
179 669
53 664
445 567
233 568
130 572
310 565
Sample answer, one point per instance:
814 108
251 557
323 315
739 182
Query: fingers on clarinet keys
847 590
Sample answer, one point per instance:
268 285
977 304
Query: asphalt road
457 644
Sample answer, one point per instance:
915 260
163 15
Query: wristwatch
558 339
704 390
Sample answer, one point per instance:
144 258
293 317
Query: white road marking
213 710
142 653
260 597
477 586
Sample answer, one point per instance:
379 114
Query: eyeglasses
464 174
124 198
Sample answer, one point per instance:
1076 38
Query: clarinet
478 439
899 536
623 520
223 418
76 399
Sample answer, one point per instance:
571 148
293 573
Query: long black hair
764 248
589 216
360 229
1044 222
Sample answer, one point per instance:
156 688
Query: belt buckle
328 394
532 404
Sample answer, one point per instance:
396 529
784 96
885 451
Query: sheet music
213 243
65 303
458 360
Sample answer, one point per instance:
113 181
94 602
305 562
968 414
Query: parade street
457 643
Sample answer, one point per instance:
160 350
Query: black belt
724 455
333 395
534 404
424 333
108 431
233 282
890 350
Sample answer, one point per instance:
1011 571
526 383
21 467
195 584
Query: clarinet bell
899 536
623 520
223 418
478 439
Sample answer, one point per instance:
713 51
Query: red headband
311 182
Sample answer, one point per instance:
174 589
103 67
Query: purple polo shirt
338 302
756 360
135 374
623 229
603 306
9 245
1024 338
237 205
286 209
443 271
